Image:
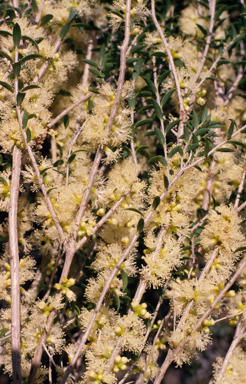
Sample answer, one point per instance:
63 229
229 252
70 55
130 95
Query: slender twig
207 44
69 109
240 188
46 64
158 99
14 252
14 266
172 65
239 335
40 8
100 150
172 354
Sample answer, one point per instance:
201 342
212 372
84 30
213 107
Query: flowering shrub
122 188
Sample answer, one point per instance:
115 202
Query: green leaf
156 202
140 225
222 62
240 249
31 41
124 279
64 30
34 6
166 182
94 90
134 210
16 35
132 102
158 110
161 159
16 69
24 119
137 69
204 114
159 135
45 19
192 147
149 133
230 130
225 150
95 72
162 77
150 86
7 86
167 96
175 150
234 142
20 97
172 125
4 54
58 163
31 57
186 133
159 54
28 135
5 33
143 122
31 86
3 181
204 31
90 62
195 119
139 149
72 14
71 158
66 121
60 149
117 299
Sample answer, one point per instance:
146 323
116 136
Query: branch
171 355
172 65
14 266
100 150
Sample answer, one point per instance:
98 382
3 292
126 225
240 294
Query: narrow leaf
139 149
72 14
31 86
4 54
172 125
31 57
16 35
159 135
166 97
166 182
31 41
66 121
137 69
24 119
64 30
156 202
34 6
161 159
124 279
90 62
230 130
7 86
140 225
16 69
71 158
95 72
58 163
175 150
45 19
158 110
20 97
134 210
117 299
3 181
143 122
28 135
